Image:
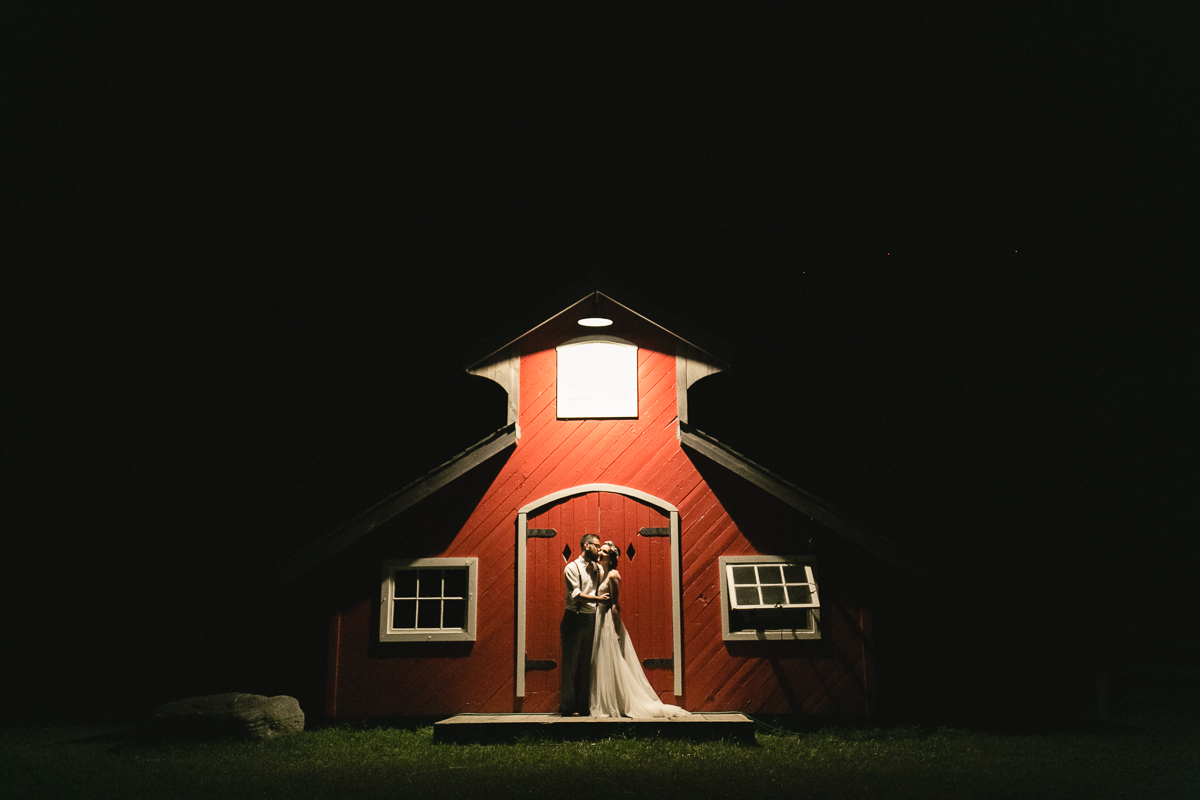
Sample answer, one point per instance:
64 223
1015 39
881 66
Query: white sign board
597 379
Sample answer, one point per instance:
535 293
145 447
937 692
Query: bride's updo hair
612 551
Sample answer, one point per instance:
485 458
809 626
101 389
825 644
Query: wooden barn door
643 535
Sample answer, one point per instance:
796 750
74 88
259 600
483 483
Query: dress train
619 686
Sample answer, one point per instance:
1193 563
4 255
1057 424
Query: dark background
245 252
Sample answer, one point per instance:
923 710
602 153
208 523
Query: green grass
1152 758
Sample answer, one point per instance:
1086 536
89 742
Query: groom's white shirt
580 580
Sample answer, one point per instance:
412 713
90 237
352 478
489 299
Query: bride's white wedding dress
619 686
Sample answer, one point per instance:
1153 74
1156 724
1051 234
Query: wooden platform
493 728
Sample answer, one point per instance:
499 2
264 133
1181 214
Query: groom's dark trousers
577 631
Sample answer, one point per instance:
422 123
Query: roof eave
397 503
715 352
812 507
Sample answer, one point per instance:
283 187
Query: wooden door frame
588 488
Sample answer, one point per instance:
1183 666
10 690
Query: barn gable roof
576 299
395 504
715 357
809 505
498 442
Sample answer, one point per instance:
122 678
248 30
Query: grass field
1151 757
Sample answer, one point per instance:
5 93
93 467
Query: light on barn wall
595 319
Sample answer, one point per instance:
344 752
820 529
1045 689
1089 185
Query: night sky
246 252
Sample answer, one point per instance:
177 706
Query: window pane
597 379
429 613
455 614
455 582
795 573
744 575
404 614
746 595
772 595
771 574
799 594
431 583
405 583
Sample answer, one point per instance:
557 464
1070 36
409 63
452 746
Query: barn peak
696 355
587 299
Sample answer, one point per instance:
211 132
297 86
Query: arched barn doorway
646 530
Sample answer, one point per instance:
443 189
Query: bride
619 687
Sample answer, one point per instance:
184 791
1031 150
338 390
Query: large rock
232 715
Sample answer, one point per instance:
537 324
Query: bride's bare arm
614 599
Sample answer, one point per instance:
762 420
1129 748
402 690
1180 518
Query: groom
578 627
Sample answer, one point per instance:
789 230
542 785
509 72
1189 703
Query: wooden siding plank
716 680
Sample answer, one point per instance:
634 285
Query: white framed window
771 585
428 600
597 378
769 598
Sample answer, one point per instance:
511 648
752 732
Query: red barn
742 592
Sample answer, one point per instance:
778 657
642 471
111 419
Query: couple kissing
601 675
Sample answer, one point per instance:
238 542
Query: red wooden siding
373 679
380 679
821 676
